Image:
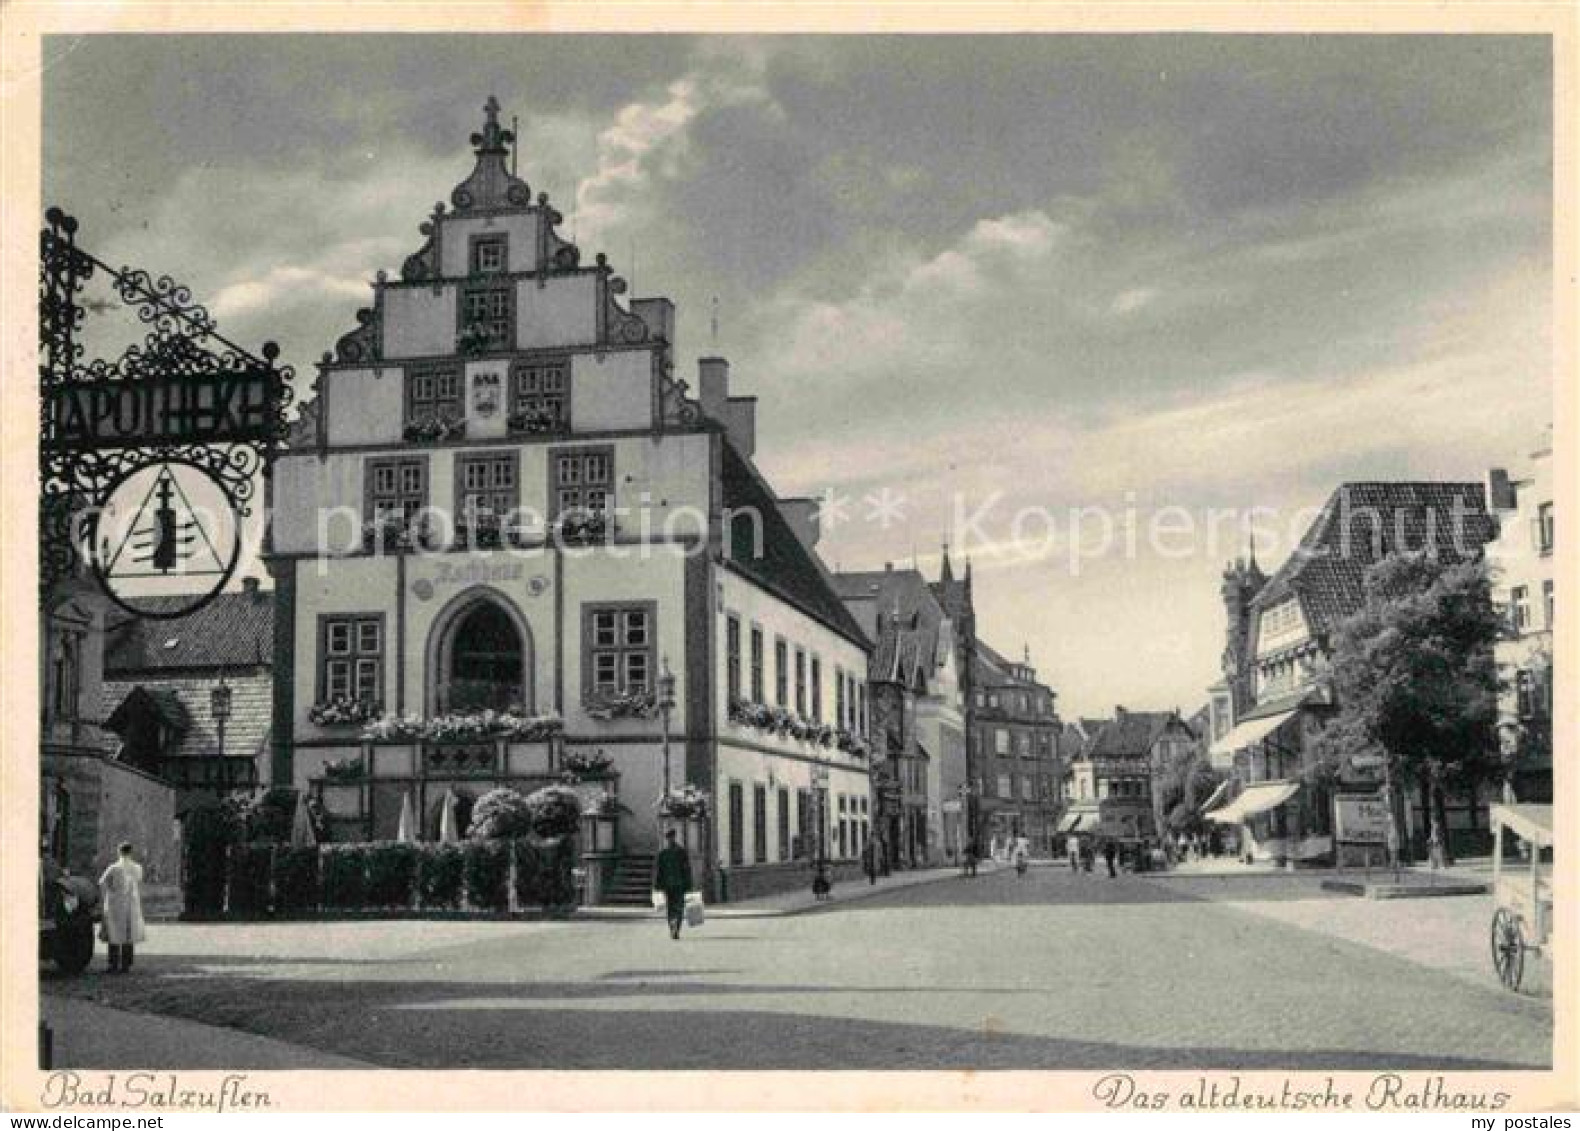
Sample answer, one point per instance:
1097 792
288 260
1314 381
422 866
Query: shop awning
1071 822
1249 733
1255 798
1216 796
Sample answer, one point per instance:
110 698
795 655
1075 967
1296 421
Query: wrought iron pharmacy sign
148 463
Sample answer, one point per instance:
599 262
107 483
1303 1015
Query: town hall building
509 544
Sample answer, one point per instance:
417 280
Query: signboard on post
1360 818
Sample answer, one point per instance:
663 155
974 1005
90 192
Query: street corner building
509 546
1276 695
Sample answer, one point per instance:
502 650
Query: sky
1025 295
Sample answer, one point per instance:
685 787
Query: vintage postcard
1004 559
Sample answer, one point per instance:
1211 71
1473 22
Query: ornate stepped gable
492 189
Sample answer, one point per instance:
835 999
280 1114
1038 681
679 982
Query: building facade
507 541
1016 737
1111 783
1276 661
918 714
1521 558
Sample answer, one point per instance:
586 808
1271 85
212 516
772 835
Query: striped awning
1255 798
1249 733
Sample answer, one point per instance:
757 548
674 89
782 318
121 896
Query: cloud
296 283
648 142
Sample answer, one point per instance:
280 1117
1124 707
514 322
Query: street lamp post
219 708
666 704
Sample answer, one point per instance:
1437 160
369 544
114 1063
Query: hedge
247 876
345 871
439 874
295 879
487 868
260 879
392 874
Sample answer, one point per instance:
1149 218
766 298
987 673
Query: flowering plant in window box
604 803
534 422
487 531
464 727
606 705
850 742
346 769
343 710
581 764
751 714
474 339
394 728
823 734
392 532
683 803
583 526
429 429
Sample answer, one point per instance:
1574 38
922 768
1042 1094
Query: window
1001 742
488 311
1005 789
781 672
351 652
817 690
737 826
839 698
757 664
800 682
397 489
485 485
618 645
1023 744
1544 528
1547 605
433 394
784 823
1025 789
489 254
803 823
540 396
1524 694
1520 607
759 824
582 481
732 654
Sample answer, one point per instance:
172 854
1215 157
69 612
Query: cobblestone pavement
1049 971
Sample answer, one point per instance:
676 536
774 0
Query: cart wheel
1508 949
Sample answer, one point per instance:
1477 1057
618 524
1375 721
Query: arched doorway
482 661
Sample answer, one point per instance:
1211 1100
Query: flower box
464 727
342 710
637 705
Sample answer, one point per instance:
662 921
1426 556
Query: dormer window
489 254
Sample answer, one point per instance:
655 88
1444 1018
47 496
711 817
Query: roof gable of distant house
235 630
909 620
1132 734
1361 524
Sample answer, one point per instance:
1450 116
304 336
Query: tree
1181 787
1416 681
500 814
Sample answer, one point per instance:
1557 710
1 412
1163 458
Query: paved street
1052 971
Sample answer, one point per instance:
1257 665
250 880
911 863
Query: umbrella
403 833
302 823
447 819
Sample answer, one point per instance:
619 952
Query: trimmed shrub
345 877
554 810
206 834
392 874
247 871
487 870
500 814
439 875
295 878
543 874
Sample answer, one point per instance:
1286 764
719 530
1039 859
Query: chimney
741 422
1501 495
713 380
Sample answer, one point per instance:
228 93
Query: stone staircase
632 883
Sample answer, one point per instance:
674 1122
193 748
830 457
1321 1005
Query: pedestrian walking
1022 856
971 859
869 861
1072 849
122 927
1110 852
672 878
822 886
1088 852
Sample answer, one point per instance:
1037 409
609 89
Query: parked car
68 908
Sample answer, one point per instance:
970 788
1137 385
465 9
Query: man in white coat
122 887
